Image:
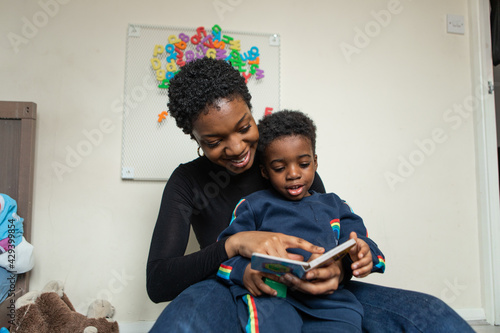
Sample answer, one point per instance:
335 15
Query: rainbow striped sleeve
348 206
253 318
224 271
234 211
335 224
381 263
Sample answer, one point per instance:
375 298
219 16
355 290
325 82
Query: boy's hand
361 256
252 280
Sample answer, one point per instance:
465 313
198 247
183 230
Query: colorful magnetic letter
162 116
156 63
157 50
211 53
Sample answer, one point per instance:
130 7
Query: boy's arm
350 222
232 270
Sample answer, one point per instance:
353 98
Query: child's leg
267 314
311 324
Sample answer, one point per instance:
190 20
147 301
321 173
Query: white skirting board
145 326
472 314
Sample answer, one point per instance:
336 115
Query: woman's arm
169 271
168 277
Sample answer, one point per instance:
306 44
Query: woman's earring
199 151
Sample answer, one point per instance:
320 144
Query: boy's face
290 164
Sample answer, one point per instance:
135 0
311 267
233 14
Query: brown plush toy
50 311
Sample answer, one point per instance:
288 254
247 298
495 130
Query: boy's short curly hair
285 123
200 84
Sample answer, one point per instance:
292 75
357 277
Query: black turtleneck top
203 195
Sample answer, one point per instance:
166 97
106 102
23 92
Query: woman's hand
275 244
318 281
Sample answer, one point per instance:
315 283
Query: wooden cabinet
17 157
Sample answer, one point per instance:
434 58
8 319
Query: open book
276 265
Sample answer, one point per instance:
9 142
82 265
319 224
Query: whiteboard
152 145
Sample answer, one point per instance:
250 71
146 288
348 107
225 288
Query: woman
210 101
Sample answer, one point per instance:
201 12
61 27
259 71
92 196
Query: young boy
287 147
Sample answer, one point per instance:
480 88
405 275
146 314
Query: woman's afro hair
285 123
201 84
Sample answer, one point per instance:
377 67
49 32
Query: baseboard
135 327
472 314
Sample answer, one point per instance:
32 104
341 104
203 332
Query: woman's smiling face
228 135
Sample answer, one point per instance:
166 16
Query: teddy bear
50 311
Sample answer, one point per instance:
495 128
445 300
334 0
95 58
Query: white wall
396 87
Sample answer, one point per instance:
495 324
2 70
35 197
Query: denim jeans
208 306
397 310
